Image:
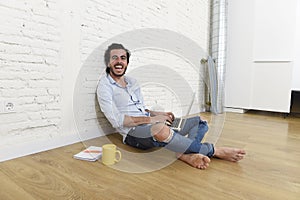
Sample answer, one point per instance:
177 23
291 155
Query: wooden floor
271 169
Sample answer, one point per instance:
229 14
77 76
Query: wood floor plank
10 190
269 171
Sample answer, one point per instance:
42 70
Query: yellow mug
109 154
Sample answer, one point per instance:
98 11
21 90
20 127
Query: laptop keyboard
176 122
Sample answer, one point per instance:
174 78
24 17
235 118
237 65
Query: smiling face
118 62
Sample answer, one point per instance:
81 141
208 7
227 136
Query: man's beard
118 75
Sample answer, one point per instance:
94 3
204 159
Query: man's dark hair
107 54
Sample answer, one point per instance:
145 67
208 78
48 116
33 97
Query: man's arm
156 113
131 121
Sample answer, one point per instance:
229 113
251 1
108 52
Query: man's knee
203 125
162 133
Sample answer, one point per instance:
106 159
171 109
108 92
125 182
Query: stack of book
92 153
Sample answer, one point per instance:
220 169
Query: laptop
179 122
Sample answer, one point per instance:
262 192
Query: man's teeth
118 66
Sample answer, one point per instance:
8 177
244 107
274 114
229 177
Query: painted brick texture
34 76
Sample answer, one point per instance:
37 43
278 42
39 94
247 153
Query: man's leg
185 147
178 143
199 153
140 137
195 128
198 132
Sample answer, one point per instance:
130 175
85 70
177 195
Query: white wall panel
274 30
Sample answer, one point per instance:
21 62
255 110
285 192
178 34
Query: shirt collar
112 81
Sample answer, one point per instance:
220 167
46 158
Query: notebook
92 153
179 122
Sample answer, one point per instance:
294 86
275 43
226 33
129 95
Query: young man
122 103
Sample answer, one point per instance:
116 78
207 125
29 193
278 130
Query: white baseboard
13 151
235 110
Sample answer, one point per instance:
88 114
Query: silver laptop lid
191 104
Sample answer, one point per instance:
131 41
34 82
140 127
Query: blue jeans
187 140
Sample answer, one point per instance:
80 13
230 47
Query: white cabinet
271 86
260 46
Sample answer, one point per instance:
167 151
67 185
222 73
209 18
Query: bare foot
196 160
230 154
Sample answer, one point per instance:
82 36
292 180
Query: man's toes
206 159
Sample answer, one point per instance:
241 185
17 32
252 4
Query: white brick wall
43 46
30 75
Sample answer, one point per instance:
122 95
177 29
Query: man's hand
155 113
163 118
